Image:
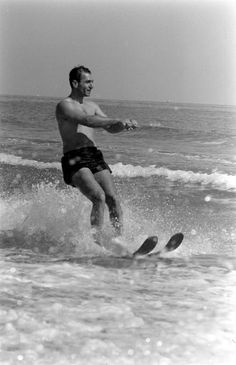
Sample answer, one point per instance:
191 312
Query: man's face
85 85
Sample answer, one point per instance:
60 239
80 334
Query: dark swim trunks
75 160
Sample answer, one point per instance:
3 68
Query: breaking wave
218 180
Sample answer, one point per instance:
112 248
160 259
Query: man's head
80 79
76 73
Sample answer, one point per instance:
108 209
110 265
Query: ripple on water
177 311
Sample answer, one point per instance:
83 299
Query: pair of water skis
146 248
152 242
144 251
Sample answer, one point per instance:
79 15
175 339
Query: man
83 165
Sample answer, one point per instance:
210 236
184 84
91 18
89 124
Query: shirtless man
83 165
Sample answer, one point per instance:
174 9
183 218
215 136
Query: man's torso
75 136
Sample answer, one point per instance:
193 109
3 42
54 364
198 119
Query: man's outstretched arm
127 124
67 110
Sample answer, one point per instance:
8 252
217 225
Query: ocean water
176 172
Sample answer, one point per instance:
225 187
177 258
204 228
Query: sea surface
175 173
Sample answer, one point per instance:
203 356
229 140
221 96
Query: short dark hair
75 73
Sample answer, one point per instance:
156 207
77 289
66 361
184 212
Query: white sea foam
17 160
216 179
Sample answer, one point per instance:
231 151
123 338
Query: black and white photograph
117 182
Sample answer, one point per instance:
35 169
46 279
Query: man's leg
85 181
105 180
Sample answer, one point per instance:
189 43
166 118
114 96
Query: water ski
147 246
173 243
118 249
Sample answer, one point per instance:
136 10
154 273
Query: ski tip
147 246
174 242
152 239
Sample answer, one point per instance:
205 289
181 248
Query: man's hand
130 124
120 125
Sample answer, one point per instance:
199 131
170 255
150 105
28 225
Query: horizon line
122 100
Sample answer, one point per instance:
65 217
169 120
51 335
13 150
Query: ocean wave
216 179
199 157
17 160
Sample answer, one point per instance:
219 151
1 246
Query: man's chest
88 109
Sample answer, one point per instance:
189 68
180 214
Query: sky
160 50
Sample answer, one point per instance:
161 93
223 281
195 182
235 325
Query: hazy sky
175 50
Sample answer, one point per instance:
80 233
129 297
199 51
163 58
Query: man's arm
68 110
128 124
